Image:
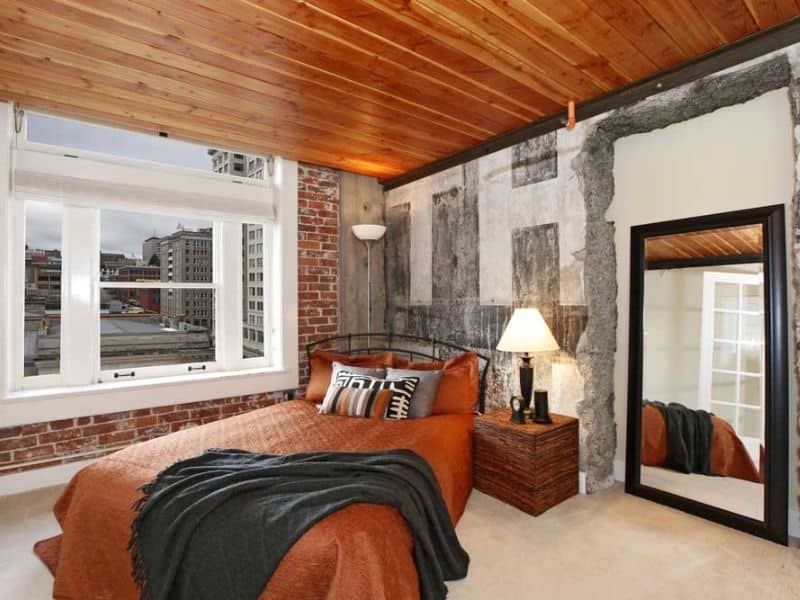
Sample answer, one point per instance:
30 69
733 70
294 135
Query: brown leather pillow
322 368
458 388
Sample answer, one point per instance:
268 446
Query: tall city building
251 167
186 257
151 249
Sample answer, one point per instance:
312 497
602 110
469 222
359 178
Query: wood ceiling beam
558 40
767 13
730 19
516 47
165 48
463 40
232 45
166 116
283 127
366 165
686 26
302 15
363 116
763 42
641 30
577 17
382 25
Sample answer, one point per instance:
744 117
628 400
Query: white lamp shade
527 332
369 233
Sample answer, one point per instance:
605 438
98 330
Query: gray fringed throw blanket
689 435
216 526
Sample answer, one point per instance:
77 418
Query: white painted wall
735 158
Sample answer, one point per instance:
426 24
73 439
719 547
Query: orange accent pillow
458 388
322 368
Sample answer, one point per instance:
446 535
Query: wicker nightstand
531 466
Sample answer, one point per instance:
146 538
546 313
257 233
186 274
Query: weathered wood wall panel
361 201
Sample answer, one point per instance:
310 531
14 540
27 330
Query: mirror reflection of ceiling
745 240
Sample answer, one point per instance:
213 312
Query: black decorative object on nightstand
518 410
541 411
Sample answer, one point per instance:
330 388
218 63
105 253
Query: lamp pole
369 288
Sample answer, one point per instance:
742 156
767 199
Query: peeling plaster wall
544 239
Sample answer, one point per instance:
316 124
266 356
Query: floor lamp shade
369 232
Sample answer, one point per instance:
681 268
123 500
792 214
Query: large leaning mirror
708 370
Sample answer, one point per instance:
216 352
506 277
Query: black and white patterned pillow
402 390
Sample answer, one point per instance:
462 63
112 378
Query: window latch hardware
201 368
129 374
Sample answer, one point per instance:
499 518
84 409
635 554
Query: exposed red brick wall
37 445
40 445
318 257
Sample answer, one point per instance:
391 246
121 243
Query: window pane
726 295
751 358
750 390
726 326
144 247
724 356
151 327
753 328
68 133
42 288
723 387
750 423
752 297
252 291
727 413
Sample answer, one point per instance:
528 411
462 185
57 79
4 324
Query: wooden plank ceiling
745 240
372 86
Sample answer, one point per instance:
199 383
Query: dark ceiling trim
753 46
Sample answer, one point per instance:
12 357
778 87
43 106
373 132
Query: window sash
80 341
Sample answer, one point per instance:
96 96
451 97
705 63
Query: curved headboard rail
411 345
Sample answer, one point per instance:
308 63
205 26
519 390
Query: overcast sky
120 231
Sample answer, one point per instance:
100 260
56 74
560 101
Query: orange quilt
729 457
362 551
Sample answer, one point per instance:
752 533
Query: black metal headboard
412 346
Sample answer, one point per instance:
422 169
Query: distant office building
151 251
186 257
251 167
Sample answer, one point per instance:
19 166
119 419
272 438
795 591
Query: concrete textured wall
527 226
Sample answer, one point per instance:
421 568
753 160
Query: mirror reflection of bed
703 417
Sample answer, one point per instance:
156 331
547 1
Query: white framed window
126 272
732 377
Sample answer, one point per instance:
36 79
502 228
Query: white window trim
22 143
238 377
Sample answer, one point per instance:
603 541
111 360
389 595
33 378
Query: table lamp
525 333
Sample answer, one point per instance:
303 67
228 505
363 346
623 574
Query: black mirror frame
776 479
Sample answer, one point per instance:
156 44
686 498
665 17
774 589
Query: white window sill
33 406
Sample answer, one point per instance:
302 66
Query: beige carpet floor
606 546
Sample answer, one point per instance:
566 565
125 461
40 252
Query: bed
363 551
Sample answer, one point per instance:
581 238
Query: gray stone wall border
594 167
